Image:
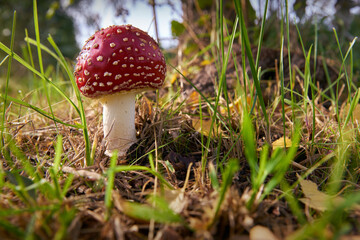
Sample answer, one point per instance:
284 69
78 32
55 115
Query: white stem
119 122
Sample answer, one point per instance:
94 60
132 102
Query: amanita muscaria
114 65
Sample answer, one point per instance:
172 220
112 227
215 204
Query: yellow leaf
279 143
202 126
205 62
193 100
173 77
261 233
236 106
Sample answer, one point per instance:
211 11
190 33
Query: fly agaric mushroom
114 65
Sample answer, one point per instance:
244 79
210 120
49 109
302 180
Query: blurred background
186 25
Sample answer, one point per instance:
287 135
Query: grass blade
254 71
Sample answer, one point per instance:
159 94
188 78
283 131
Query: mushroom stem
119 122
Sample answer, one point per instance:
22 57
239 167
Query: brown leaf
202 126
261 233
319 200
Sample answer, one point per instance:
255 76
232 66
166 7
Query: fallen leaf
313 197
202 126
145 108
319 200
205 62
173 77
279 143
193 100
261 233
176 200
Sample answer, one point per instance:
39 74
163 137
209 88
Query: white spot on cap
96 45
131 65
137 34
107 74
99 58
96 76
86 72
128 48
136 49
95 83
78 68
89 61
120 51
126 74
131 58
125 39
118 76
114 54
141 58
109 83
138 67
115 88
115 63
112 45
124 65
101 84
118 31
136 74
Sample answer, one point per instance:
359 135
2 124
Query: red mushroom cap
119 59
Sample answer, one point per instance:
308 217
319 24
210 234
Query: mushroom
114 65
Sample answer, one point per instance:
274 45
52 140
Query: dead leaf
145 108
193 100
173 77
205 62
176 200
318 200
279 143
261 233
202 126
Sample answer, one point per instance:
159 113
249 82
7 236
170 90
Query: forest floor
193 197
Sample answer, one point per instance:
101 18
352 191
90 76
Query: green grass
41 198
